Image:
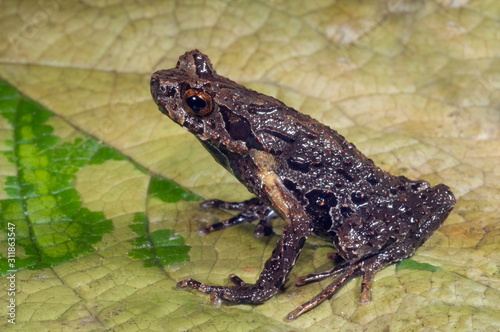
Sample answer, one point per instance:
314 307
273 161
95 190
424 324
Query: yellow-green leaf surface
104 190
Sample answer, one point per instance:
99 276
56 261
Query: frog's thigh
358 238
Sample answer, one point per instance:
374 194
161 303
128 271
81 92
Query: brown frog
304 172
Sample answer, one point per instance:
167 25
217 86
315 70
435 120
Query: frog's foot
241 293
271 279
252 209
366 267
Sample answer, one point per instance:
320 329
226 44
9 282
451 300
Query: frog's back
336 181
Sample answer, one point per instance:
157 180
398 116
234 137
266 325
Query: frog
303 172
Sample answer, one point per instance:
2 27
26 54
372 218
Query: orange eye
198 103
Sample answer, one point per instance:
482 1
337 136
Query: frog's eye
198 103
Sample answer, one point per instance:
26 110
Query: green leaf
50 223
170 192
413 84
409 264
160 248
105 153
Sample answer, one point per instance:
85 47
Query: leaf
43 209
162 247
412 265
413 84
170 192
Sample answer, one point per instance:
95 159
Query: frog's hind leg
252 209
366 254
366 267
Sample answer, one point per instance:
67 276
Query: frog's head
225 116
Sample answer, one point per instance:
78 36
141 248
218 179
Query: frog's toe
236 220
263 228
237 280
236 206
191 283
214 291
313 277
215 299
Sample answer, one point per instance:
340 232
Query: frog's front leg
275 271
252 209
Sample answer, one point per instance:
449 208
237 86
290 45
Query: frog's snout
155 84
